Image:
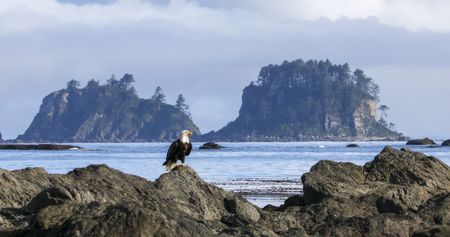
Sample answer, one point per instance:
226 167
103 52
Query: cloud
229 17
414 15
19 16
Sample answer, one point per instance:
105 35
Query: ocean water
265 173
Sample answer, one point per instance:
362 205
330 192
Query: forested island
107 113
295 101
309 100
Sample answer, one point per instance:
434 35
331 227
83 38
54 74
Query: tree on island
181 105
92 84
365 84
158 95
126 82
113 81
384 115
73 84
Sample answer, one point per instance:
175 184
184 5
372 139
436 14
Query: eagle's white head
185 136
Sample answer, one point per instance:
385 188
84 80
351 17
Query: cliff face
105 114
307 101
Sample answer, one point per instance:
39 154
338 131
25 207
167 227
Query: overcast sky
209 50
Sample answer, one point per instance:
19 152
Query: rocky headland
399 193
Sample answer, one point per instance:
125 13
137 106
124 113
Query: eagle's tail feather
170 165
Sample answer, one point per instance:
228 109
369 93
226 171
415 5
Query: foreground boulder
210 145
399 193
424 141
446 143
100 201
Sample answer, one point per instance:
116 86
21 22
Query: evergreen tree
92 84
126 82
383 109
113 81
73 84
384 115
158 95
181 105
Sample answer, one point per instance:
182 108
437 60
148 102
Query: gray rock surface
423 141
210 146
399 193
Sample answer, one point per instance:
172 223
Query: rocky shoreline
399 193
209 136
46 147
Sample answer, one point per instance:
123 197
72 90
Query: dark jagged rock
106 113
424 141
353 145
98 201
210 145
1 139
307 100
446 143
399 193
48 147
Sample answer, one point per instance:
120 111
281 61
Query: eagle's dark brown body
177 151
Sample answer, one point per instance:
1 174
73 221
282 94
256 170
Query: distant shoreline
215 140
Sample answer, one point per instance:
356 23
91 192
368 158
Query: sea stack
308 100
107 113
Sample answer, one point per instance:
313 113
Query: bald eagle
178 150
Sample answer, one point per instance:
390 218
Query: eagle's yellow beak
189 133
